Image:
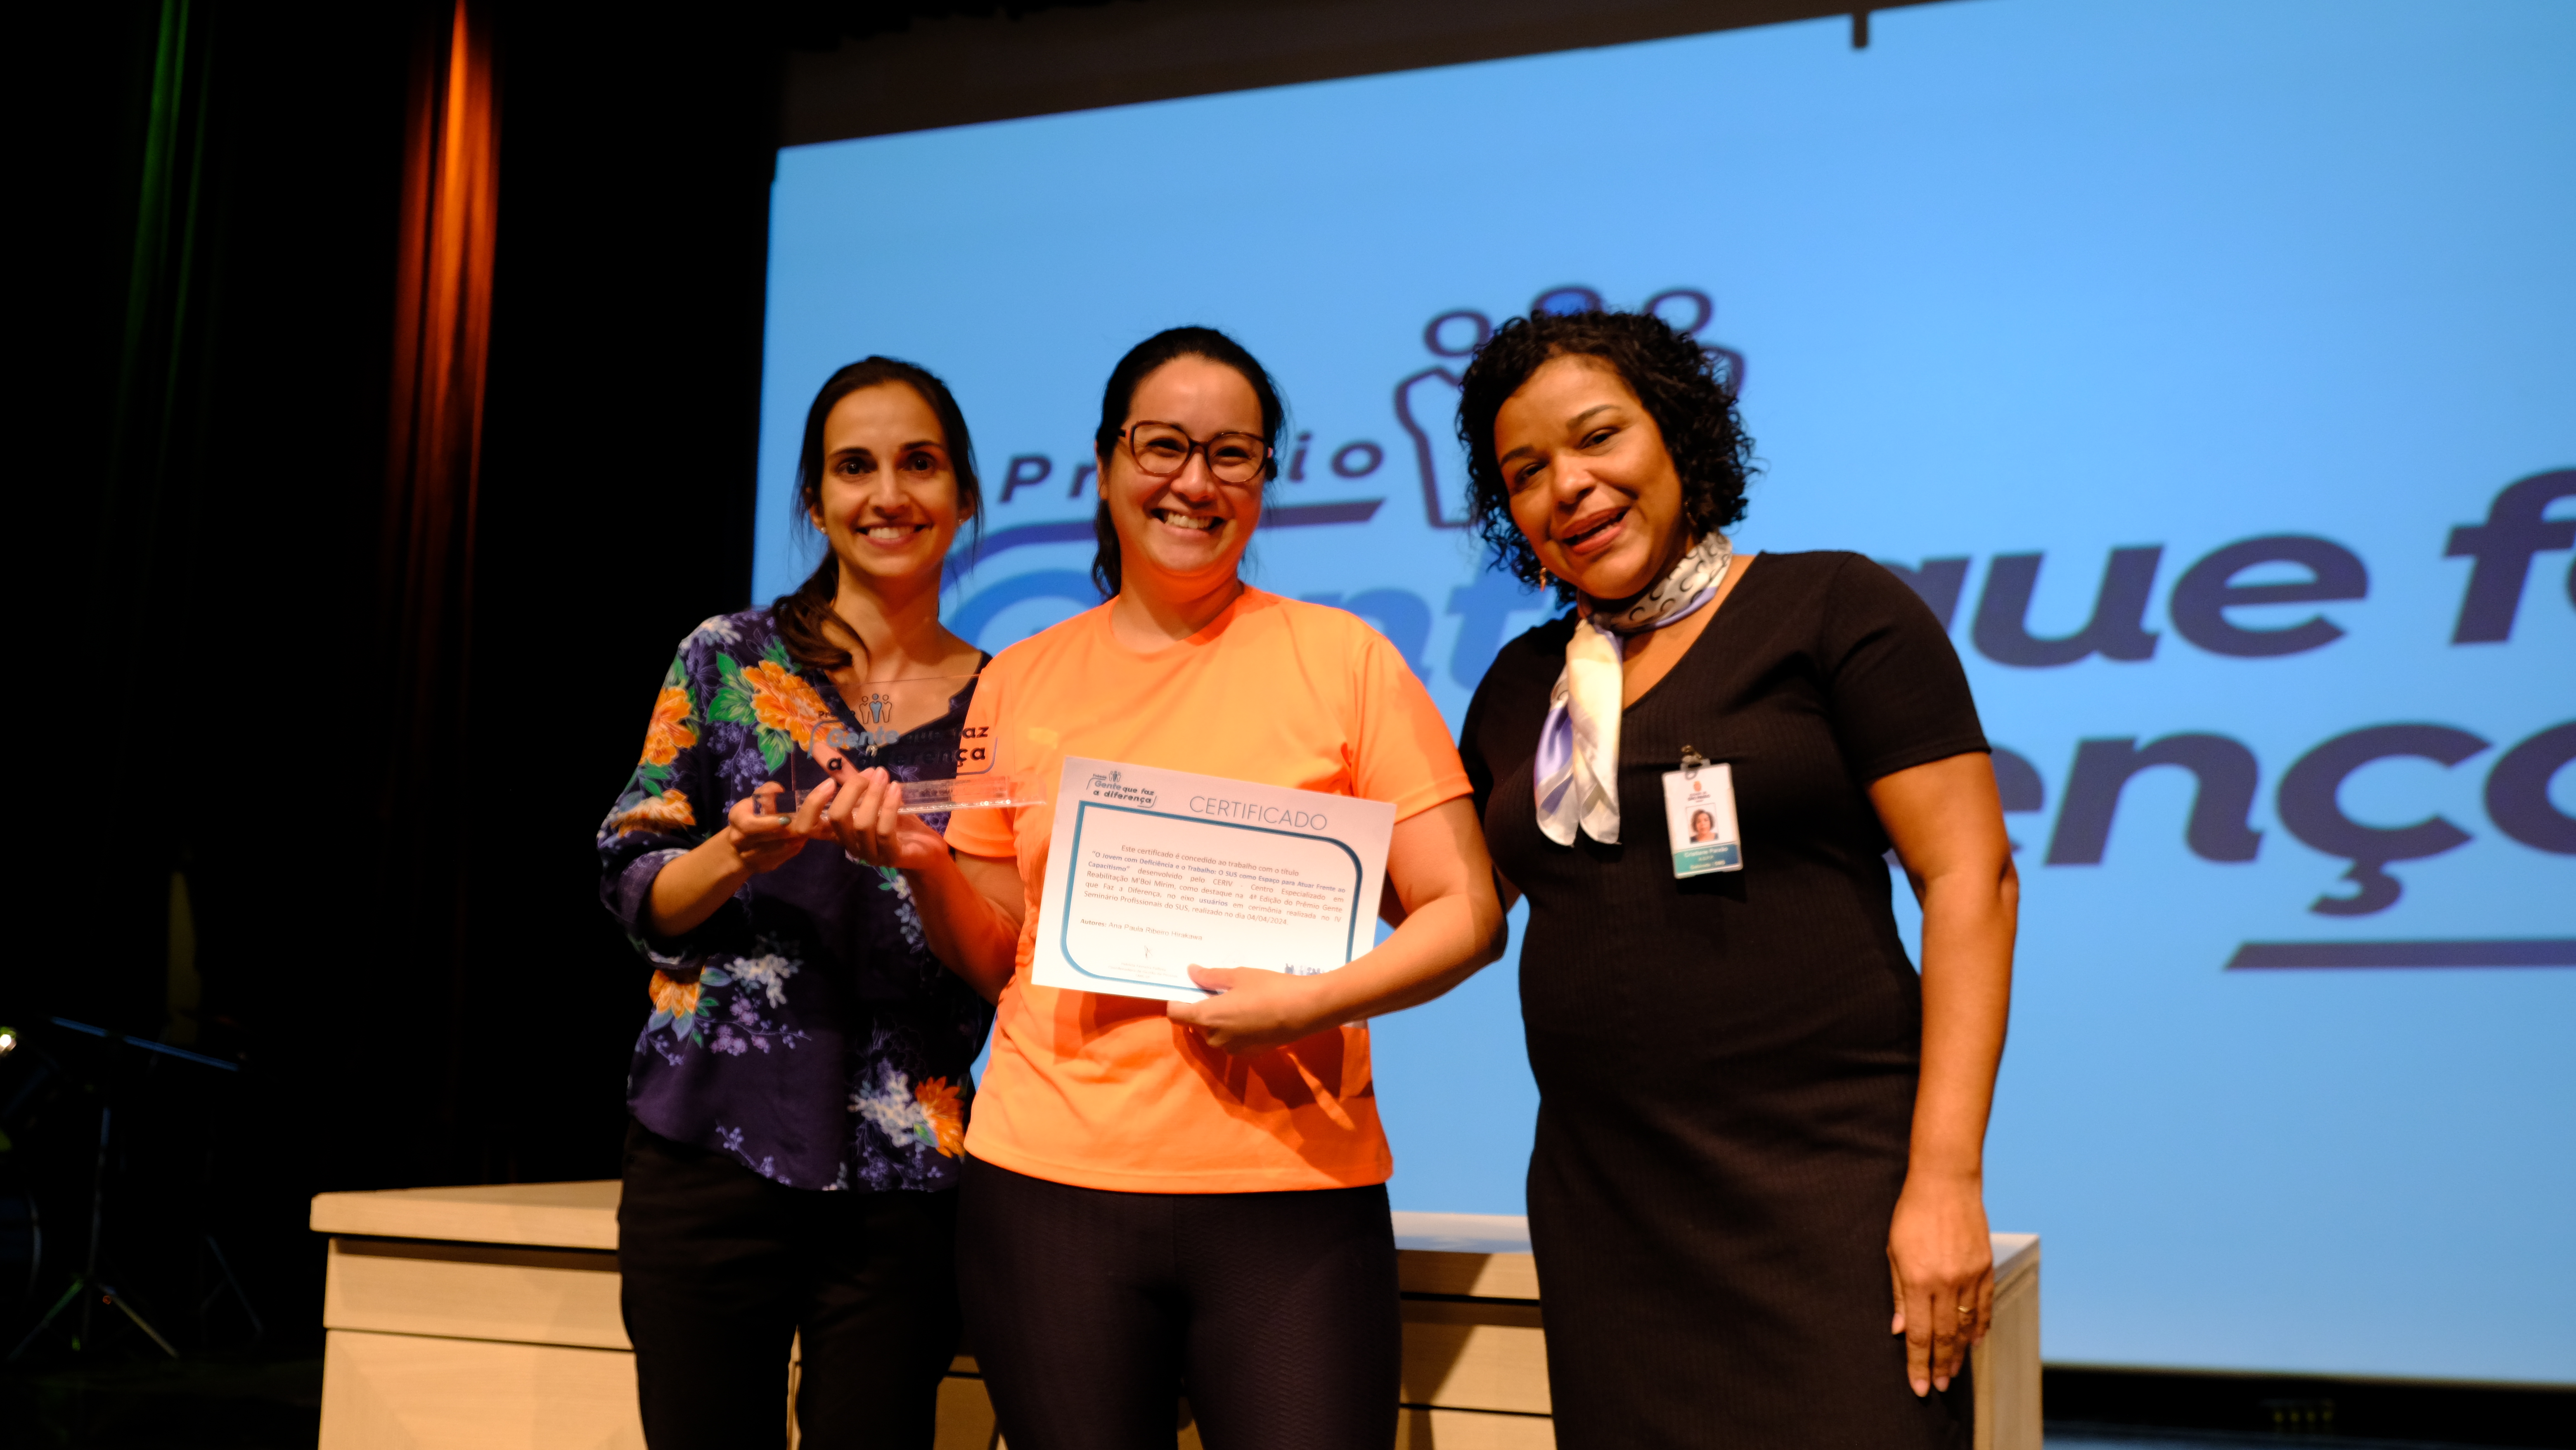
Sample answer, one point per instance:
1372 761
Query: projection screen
2205 365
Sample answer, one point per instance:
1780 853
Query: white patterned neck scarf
1578 747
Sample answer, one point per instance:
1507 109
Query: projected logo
1425 467
1426 404
2309 798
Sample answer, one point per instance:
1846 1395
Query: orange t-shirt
1107 1092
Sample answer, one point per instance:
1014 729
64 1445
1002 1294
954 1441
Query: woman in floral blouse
799 1092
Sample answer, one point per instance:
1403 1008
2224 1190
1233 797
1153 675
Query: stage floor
272 1400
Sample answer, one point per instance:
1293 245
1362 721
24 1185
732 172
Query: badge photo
1699 813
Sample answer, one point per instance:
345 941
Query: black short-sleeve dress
1726 1064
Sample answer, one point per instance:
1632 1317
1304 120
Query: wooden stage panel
2007 1364
1474 1254
1417 1429
966 1423
1475 1355
1480 1276
475 1291
407 1392
965 1416
554 1215
488 1317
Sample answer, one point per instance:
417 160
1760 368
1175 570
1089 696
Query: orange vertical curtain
442 333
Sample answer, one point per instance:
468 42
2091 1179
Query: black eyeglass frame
1260 461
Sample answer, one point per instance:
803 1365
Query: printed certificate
1154 871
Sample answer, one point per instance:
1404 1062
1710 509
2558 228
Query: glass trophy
912 721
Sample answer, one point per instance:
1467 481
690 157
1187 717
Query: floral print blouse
804 1029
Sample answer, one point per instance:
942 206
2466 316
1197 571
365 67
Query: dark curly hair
1670 375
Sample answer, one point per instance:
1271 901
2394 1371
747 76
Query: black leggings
722 1267
1090 1312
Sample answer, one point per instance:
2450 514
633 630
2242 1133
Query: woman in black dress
1759 1129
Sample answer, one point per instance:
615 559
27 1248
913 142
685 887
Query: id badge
1699 811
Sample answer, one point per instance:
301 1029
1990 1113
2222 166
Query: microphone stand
87 1289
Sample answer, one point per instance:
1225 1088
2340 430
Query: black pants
1090 1311
722 1267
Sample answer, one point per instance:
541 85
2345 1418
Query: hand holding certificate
1156 871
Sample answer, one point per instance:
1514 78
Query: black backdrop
196 558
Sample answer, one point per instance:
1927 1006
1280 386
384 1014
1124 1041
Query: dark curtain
616 514
380 455
143 506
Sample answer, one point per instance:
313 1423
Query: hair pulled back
1669 374
806 624
1170 345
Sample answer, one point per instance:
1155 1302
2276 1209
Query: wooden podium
487 1318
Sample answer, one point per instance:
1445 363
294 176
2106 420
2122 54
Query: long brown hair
806 623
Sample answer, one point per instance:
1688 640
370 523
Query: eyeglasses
1164 449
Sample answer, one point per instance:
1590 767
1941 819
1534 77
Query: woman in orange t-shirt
1195 1193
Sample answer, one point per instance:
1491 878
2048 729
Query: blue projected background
2208 363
